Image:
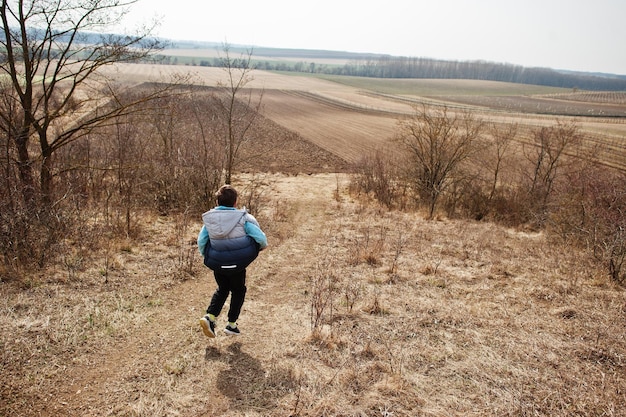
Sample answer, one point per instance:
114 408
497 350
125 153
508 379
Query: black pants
233 283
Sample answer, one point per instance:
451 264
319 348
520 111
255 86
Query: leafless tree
547 156
210 156
9 128
438 141
502 138
236 108
51 51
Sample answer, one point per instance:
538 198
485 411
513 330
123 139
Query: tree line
401 67
405 67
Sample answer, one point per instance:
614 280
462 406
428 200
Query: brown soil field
546 105
349 120
345 132
352 310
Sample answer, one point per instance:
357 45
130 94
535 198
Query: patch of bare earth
351 311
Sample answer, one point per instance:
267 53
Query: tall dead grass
550 183
465 318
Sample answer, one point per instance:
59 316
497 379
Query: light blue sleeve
256 233
203 239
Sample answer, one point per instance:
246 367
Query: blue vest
230 255
229 249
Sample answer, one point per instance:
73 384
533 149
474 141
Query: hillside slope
350 311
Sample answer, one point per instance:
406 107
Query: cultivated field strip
356 116
610 151
543 105
604 97
339 129
350 131
349 103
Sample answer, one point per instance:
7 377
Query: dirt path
124 375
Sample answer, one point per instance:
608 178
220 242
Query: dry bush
324 287
367 246
488 180
37 235
590 213
32 239
378 175
352 292
185 162
467 199
252 193
438 142
547 158
163 158
29 234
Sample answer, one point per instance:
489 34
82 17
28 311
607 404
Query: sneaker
233 331
208 326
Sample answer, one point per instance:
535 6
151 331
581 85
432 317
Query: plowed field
349 119
346 132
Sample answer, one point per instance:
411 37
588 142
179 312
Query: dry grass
422 318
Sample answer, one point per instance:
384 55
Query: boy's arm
203 238
256 233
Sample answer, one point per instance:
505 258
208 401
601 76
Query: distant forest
386 66
402 67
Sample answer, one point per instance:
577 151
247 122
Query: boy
229 241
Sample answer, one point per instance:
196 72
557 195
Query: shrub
591 213
377 176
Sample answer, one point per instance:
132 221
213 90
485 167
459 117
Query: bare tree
51 54
438 141
210 162
546 157
9 127
237 109
502 137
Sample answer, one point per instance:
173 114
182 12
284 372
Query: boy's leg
238 290
220 295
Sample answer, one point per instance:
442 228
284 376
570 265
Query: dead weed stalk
324 288
367 248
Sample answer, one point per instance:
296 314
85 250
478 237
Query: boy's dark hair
226 196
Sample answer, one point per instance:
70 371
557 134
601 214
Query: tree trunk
25 168
47 186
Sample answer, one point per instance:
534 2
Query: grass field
431 87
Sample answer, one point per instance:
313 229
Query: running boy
229 241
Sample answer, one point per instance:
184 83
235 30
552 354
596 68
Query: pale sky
581 35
